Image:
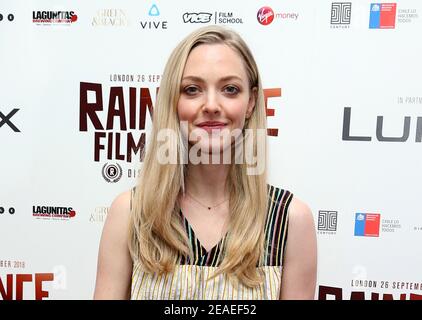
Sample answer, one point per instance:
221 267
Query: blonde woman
207 229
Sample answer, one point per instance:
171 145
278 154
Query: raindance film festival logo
327 222
110 18
382 16
53 213
5 119
341 14
54 17
112 172
367 224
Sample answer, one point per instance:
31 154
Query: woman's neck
207 181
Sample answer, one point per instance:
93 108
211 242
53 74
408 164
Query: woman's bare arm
114 268
300 260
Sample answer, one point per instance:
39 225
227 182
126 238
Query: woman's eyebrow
199 79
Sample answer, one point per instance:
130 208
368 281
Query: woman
200 229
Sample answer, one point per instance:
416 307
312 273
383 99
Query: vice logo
367 224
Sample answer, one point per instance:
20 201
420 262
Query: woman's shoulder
297 207
121 205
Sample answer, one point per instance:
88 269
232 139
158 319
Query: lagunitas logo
54 17
154 23
53 213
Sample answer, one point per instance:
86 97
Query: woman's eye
190 90
232 90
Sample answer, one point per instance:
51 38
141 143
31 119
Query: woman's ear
251 102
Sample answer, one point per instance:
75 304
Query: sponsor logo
110 18
53 213
382 16
266 15
54 17
220 17
154 24
112 172
380 135
9 17
5 119
327 222
367 224
201 17
341 13
4 210
99 214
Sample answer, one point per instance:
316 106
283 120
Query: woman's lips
210 125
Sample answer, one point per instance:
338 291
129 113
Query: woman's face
214 93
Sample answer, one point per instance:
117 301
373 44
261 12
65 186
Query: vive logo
154 12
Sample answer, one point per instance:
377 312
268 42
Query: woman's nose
211 103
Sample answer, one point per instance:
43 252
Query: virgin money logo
265 15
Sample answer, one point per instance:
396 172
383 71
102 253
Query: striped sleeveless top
189 279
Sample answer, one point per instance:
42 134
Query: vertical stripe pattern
189 280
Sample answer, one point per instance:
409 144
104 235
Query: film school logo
9 210
10 17
53 213
154 12
54 17
341 14
367 224
205 17
382 16
110 18
5 119
112 172
200 17
327 222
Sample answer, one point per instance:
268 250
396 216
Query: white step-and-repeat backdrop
343 86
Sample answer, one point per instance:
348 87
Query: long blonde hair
157 234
